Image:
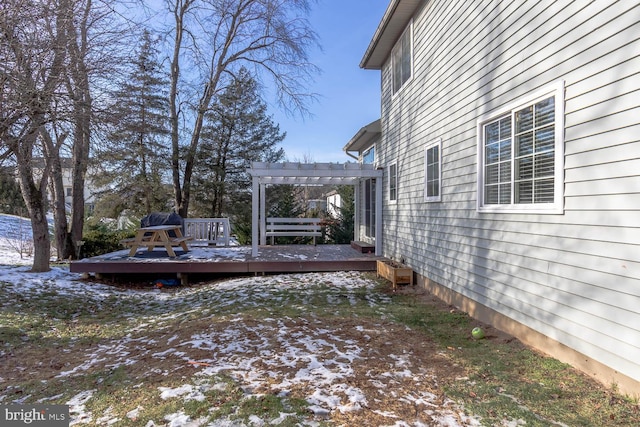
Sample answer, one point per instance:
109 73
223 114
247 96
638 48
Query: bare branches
272 38
50 53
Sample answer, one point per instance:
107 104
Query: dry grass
238 354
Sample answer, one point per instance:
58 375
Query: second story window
402 58
369 156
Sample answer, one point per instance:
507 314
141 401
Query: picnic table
169 236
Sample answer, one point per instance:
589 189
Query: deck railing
208 231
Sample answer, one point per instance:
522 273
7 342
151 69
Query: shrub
100 239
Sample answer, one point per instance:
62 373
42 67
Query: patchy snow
302 353
77 410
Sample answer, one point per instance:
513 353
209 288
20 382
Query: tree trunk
178 13
40 230
82 104
35 200
80 161
62 237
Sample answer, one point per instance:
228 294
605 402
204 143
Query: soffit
364 138
393 23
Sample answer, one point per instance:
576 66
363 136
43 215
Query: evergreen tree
284 201
136 157
238 131
11 201
342 229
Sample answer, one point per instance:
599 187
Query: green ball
477 333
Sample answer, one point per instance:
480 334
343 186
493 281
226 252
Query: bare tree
32 55
49 52
216 38
95 40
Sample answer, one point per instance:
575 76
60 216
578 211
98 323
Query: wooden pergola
264 174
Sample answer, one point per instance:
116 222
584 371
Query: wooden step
363 247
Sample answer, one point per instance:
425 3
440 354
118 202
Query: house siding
575 276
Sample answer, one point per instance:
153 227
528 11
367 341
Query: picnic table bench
167 236
293 227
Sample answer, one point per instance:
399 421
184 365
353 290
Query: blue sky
349 96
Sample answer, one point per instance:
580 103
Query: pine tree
136 157
11 201
342 229
238 131
284 202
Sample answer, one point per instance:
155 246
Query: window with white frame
393 182
369 156
402 58
520 155
433 171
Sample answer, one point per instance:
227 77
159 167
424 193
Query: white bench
208 231
293 227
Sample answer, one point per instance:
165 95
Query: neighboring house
317 205
510 142
333 204
67 181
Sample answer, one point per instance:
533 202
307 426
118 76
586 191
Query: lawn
311 350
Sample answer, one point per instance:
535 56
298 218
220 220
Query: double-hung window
521 155
393 182
402 58
433 171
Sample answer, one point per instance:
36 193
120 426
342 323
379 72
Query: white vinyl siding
432 171
521 155
573 275
402 59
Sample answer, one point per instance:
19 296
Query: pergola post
357 210
255 209
263 214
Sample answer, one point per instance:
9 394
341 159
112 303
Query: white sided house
67 182
510 143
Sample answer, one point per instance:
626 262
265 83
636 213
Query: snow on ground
15 238
302 352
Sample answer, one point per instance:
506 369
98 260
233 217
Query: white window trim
391 61
436 142
557 207
393 201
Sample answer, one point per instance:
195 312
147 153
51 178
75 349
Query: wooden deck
234 259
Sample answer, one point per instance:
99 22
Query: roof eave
393 23
364 137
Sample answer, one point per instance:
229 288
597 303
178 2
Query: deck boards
201 260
